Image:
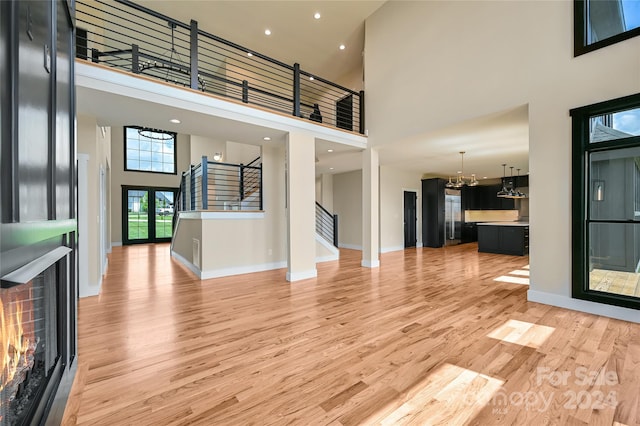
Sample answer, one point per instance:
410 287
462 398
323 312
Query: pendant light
460 179
503 192
518 193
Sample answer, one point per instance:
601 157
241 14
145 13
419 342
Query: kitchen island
504 238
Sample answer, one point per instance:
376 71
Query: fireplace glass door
28 345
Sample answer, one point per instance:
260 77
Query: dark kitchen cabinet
433 212
469 232
485 198
507 239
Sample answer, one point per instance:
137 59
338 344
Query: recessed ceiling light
330 168
311 77
175 121
329 150
249 54
484 177
266 138
342 47
267 32
316 15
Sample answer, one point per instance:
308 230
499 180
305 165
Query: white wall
393 183
347 204
241 153
201 145
97 146
465 59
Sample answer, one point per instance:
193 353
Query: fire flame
16 346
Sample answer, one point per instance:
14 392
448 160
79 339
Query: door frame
404 218
151 224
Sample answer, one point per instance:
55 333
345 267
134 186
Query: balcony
131 38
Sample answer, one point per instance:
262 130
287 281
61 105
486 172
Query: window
606 202
600 23
149 150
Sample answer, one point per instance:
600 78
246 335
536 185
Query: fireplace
31 342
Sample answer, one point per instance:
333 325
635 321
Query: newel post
205 183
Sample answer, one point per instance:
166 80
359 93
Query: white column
370 208
301 226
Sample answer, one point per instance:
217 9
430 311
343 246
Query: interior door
410 219
147 214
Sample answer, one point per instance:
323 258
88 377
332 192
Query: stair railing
326 225
216 186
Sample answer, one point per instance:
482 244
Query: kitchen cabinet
504 238
485 198
469 232
433 208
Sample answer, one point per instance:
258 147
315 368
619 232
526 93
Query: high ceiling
296 36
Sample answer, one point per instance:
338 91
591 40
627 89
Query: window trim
175 150
581 148
580 46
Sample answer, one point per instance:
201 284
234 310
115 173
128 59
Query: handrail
221 186
326 224
132 37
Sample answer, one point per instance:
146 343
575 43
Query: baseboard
370 263
190 266
350 246
610 311
238 270
390 249
419 245
304 275
116 243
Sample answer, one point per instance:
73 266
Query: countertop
504 223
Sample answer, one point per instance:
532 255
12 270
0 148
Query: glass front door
147 215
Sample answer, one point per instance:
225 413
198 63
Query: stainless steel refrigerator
452 217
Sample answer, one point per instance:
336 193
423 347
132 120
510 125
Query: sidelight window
606 202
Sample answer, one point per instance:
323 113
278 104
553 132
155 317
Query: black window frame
580 46
581 191
175 150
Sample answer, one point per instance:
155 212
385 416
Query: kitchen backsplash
491 215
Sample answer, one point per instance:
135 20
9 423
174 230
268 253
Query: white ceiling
488 142
295 35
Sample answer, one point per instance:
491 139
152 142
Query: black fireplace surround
38 219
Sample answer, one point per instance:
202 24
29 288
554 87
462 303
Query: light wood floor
428 338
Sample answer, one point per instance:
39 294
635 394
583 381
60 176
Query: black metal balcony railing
130 37
224 187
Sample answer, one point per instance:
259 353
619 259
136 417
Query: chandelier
157 134
461 180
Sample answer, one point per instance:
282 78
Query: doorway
410 219
147 214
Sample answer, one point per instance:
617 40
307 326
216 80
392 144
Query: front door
147 214
410 219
